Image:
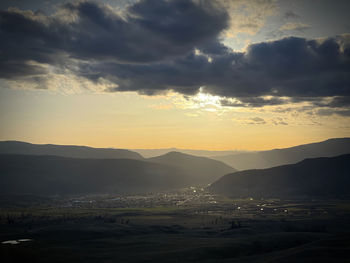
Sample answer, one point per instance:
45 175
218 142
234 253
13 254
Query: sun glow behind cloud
205 101
198 122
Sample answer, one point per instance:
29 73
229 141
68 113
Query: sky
194 74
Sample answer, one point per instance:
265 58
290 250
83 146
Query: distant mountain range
196 170
51 169
16 147
149 153
266 159
49 175
200 170
319 177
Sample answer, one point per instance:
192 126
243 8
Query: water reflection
16 242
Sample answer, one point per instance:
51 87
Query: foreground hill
16 147
49 175
201 170
319 177
267 159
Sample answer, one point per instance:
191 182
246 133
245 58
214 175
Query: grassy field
221 230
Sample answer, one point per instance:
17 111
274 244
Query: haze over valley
123 171
266 159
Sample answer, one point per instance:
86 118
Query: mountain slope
319 177
16 147
201 170
48 175
266 159
149 153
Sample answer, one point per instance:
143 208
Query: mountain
16 147
49 175
319 177
201 170
149 153
266 159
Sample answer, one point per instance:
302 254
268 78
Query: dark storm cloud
155 46
26 39
335 102
336 106
150 30
292 67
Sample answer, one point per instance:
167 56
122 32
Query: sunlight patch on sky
205 105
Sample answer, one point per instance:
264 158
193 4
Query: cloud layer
155 46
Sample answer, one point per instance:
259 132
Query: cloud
149 30
156 46
330 112
279 121
290 67
261 121
255 102
248 17
296 26
334 102
257 120
291 15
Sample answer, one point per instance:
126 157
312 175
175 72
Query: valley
187 225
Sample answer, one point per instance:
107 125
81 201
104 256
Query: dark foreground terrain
190 225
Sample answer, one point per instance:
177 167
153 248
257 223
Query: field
188 225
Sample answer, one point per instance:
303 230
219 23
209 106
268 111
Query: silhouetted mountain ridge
318 177
48 175
149 153
17 147
276 157
201 170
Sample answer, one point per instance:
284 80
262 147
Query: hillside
16 147
201 170
267 159
149 153
49 175
319 177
